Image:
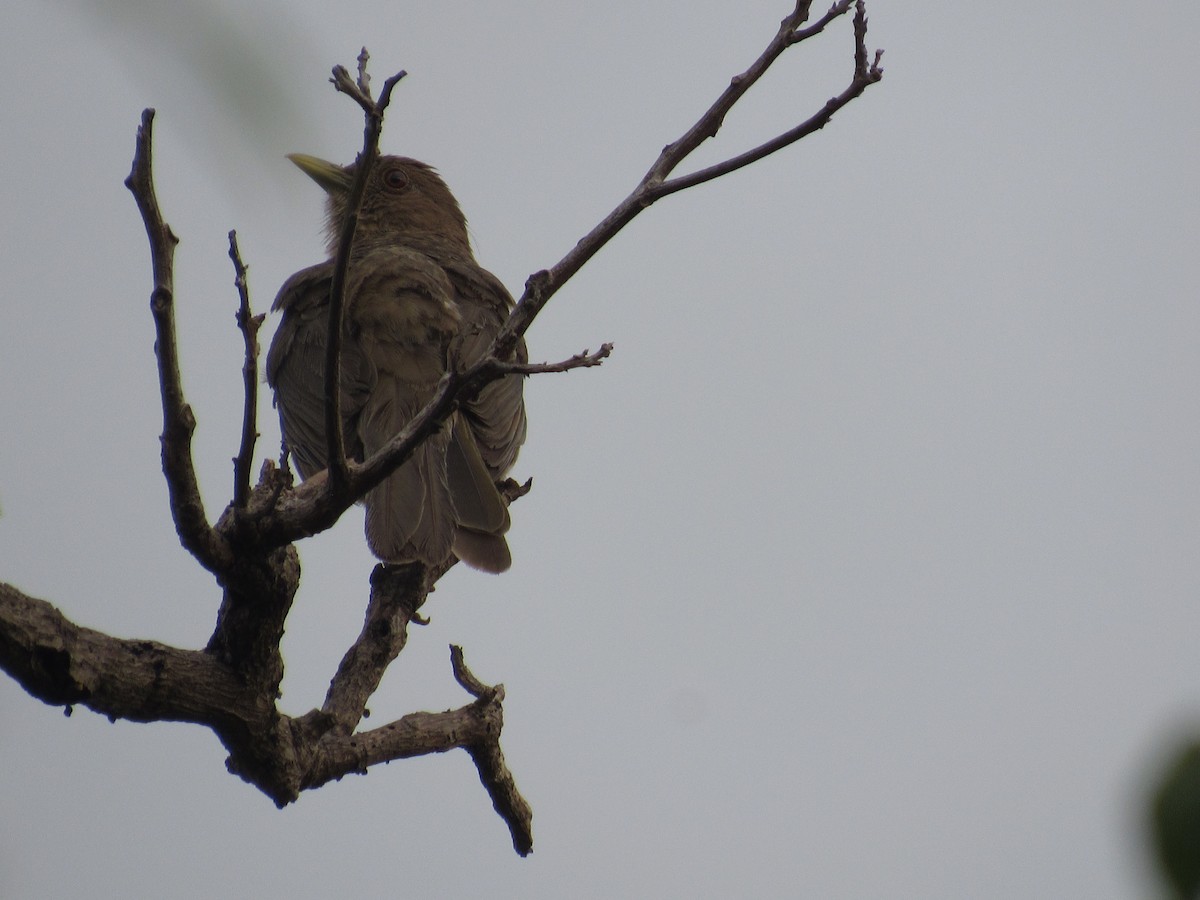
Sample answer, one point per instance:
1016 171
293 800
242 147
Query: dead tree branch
248 324
187 508
654 185
397 592
232 685
584 360
373 111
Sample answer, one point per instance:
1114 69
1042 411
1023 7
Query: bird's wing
401 306
497 415
296 370
477 505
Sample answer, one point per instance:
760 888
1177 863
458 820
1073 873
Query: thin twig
450 388
803 130
584 360
803 34
860 43
466 678
373 115
364 79
541 286
248 324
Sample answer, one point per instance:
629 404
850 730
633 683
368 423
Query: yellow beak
332 178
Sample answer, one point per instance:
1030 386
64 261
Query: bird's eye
395 179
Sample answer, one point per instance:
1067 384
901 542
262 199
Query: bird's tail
441 500
410 515
481 514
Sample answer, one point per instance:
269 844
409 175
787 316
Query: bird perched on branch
415 298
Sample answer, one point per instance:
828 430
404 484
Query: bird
415 299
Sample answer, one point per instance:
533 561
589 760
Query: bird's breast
401 309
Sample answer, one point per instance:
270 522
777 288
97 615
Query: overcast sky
867 566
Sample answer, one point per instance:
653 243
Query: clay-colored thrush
415 300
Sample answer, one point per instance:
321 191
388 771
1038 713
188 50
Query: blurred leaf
232 78
1175 811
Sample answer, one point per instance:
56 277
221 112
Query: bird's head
404 200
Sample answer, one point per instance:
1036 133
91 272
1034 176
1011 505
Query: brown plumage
414 295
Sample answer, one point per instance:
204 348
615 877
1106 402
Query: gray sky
867 567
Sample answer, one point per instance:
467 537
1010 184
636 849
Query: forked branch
232 685
655 185
187 508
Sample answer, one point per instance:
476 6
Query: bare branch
364 80
187 508
63 664
584 360
860 45
475 728
357 89
840 8
232 685
248 324
494 774
864 77
312 507
415 734
373 114
397 592
804 129
466 678
498 781
541 286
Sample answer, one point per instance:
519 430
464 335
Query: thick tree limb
65 664
397 592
